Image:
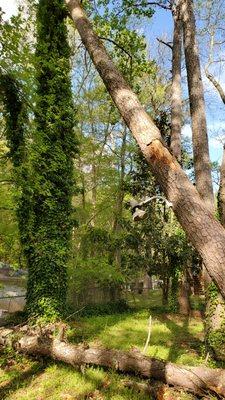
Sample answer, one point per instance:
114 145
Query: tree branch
157 3
117 45
166 43
217 85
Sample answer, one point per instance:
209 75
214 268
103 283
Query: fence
11 304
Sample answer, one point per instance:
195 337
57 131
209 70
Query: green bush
117 307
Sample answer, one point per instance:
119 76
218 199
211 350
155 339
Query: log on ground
199 380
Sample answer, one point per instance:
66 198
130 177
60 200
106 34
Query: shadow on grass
23 379
181 338
88 328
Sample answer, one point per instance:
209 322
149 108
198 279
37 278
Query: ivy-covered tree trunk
52 160
16 117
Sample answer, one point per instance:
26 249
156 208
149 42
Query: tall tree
206 234
202 165
176 96
52 160
214 301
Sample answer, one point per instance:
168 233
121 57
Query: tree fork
206 234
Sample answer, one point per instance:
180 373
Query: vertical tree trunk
215 311
176 95
94 188
214 302
165 290
221 194
183 295
176 123
53 149
197 106
120 197
206 234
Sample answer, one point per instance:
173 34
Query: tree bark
165 290
215 309
215 306
206 234
176 95
183 295
120 197
176 123
197 106
194 379
221 194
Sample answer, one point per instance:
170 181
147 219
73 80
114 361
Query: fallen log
199 380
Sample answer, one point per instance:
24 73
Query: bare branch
157 3
117 45
216 84
166 43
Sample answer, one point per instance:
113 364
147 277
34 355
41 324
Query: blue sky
161 26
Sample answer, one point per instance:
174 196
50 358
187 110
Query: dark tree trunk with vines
53 149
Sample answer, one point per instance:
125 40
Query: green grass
173 338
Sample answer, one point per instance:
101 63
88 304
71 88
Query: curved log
194 379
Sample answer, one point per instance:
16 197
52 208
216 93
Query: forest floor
173 338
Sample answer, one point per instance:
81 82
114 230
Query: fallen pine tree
44 342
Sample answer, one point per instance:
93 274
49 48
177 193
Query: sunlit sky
161 26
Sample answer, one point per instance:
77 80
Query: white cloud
9 7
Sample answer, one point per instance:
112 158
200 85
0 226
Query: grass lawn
173 338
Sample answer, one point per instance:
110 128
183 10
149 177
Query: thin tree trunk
176 123
120 197
176 95
202 166
206 234
165 290
82 183
183 295
196 379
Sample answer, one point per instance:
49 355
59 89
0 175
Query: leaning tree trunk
206 234
195 379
